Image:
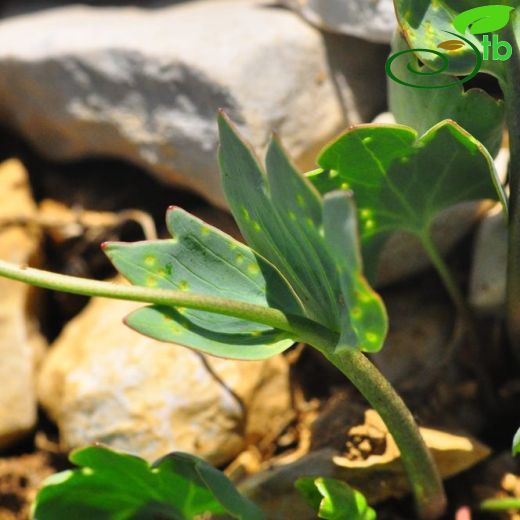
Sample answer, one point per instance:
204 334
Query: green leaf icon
485 19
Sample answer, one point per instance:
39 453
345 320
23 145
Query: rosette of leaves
303 259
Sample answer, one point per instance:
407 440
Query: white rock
104 382
20 343
145 84
372 20
488 273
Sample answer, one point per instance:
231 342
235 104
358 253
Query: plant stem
417 460
511 89
447 279
465 315
425 482
71 284
500 504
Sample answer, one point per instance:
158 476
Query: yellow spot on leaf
253 268
184 285
300 201
345 186
151 281
150 260
357 312
369 224
371 337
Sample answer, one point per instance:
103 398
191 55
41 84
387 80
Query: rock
20 343
487 291
102 382
144 85
374 20
378 476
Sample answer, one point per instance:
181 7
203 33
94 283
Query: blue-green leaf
367 323
281 216
202 259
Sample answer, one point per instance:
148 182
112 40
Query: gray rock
372 20
145 84
103 382
488 273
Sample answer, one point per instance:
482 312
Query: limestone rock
372 20
403 256
104 382
20 342
144 85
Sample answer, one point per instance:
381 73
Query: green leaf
334 499
368 321
109 485
474 110
384 165
516 443
204 260
281 216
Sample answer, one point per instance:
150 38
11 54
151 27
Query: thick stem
425 482
417 460
511 89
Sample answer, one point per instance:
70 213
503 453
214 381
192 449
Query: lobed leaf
281 216
109 485
204 260
384 165
334 500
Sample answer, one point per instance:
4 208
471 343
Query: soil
478 395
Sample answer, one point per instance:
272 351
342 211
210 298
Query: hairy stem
425 482
511 89
85 287
417 460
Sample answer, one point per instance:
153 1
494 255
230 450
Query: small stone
144 85
102 382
